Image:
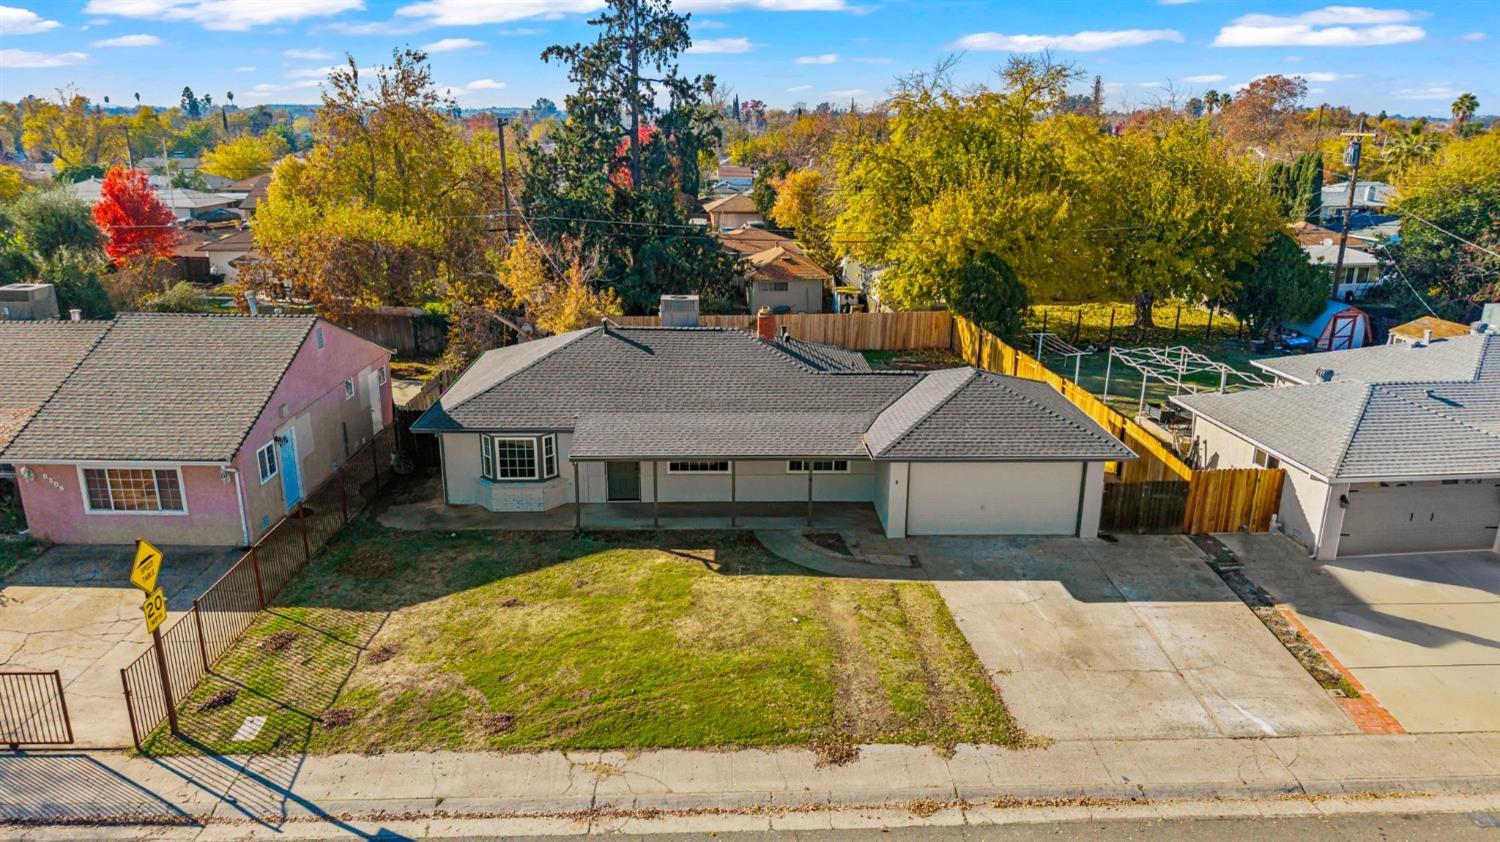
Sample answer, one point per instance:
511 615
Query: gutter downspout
239 499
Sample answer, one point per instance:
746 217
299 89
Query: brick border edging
1366 711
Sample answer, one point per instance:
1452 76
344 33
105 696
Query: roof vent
1325 375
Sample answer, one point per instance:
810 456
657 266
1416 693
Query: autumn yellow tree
804 203
244 156
73 133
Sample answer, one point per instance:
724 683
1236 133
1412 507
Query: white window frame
1263 459
543 448
778 286
381 376
834 463
88 507
350 388
698 466
266 457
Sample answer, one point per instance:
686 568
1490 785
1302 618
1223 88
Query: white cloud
476 12
1436 92
484 85
26 58
826 58
451 45
308 55
712 46
1472 36
1084 42
316 73
797 89
233 15
14 21
1330 26
1206 77
129 41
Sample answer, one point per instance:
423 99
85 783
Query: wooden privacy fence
155 685
409 331
1144 507
1228 499
903 331
1212 501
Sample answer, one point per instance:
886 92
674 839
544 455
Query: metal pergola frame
1171 365
1046 341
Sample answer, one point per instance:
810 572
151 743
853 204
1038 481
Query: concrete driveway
1421 632
1132 640
72 609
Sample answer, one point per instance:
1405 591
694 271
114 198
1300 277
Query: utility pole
504 174
1351 160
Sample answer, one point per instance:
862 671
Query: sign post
143 575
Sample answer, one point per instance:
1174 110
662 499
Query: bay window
504 458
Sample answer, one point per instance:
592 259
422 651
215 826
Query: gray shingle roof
35 358
1451 359
166 387
685 392
1349 430
968 414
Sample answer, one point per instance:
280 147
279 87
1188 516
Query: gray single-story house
614 414
1388 449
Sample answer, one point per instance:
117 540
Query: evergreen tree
1098 96
618 173
736 108
190 103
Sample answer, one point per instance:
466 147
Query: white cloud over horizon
720 46
18 21
451 45
1082 42
1205 77
27 59
230 15
128 41
1330 26
484 85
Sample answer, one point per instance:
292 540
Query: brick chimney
765 324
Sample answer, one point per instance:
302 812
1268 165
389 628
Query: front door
372 388
291 472
624 481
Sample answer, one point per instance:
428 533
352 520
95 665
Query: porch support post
734 509
577 501
655 497
808 465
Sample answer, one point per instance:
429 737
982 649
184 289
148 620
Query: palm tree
1463 111
1211 100
1404 150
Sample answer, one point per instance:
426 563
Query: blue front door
291 477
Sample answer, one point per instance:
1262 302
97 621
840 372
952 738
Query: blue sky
1410 57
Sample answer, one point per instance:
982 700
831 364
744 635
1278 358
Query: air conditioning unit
28 302
679 311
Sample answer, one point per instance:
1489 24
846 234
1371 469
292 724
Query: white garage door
993 498
1420 516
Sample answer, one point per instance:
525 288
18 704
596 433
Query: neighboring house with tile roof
727 213
227 254
674 415
1394 448
784 280
194 429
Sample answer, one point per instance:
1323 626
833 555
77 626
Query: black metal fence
33 711
155 686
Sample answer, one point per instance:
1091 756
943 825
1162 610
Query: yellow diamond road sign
155 609
147 566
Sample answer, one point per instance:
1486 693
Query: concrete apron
615 789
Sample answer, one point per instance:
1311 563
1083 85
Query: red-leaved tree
140 228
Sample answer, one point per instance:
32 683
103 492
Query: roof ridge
969 378
1359 417
277 385
1438 413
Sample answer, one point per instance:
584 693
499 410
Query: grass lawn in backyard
409 641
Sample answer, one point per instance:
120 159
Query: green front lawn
396 641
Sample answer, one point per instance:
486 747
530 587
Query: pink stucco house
198 430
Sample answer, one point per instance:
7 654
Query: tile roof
1452 359
699 392
749 240
966 414
35 358
1375 422
781 264
166 387
238 241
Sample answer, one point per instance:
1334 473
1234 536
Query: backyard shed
1339 327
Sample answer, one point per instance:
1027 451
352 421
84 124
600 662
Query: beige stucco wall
800 296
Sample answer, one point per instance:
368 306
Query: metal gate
33 711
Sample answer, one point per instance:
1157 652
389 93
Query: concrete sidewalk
78 787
